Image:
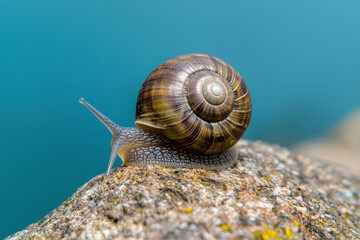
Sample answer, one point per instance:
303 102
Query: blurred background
300 60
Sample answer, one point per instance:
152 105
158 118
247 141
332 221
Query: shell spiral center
213 92
210 96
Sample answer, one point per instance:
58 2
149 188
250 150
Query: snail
190 112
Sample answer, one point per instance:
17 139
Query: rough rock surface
341 145
269 194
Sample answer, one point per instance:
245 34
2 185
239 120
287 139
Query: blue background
300 59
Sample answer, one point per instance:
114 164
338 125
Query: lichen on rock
269 194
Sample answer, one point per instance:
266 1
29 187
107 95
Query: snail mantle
269 193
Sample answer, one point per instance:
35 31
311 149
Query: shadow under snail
190 112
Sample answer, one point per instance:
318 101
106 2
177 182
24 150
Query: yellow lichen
289 233
257 235
187 210
268 234
267 178
297 224
199 180
271 232
139 209
225 227
117 200
347 216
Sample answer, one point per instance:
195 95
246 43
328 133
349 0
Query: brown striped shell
196 100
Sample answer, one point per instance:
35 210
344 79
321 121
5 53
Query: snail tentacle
115 148
113 127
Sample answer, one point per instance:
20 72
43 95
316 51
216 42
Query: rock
341 145
269 194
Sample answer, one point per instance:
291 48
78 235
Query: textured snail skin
142 148
190 112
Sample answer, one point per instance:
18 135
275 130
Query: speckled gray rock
269 194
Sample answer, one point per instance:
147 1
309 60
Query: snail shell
190 111
197 100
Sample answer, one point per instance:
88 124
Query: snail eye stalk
114 129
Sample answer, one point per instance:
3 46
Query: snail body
190 112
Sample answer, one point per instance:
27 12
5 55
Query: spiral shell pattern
197 100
